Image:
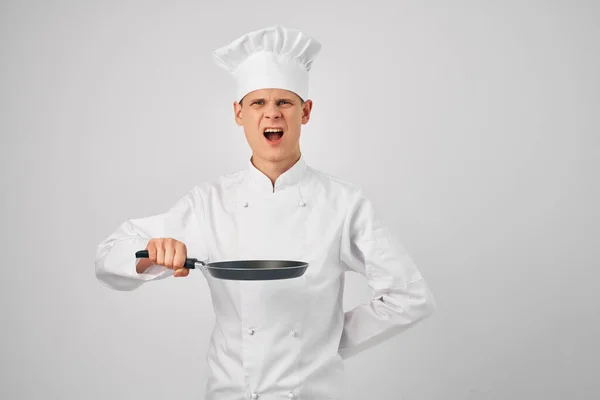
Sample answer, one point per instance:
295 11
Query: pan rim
256 269
215 265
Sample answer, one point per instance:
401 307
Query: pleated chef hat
273 57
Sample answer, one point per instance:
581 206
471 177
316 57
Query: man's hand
167 252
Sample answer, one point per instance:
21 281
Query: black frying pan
246 270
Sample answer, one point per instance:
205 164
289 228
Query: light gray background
473 126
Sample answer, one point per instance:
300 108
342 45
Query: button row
293 332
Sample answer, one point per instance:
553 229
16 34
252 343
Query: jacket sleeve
400 296
115 264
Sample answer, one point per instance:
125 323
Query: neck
273 169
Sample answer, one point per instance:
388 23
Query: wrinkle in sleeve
400 296
115 264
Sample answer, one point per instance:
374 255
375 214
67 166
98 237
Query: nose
272 111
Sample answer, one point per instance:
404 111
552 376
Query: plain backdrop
473 125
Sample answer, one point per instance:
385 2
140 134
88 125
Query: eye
256 102
284 102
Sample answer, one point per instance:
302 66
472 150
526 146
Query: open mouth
273 134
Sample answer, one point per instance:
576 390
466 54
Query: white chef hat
273 57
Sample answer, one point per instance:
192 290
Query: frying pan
246 270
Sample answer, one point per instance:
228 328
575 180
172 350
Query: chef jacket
282 338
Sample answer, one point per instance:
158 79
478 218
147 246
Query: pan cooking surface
262 270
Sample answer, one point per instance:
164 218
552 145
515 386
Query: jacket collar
260 182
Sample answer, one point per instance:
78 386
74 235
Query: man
282 338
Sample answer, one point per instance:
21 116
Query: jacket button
250 331
254 396
291 395
293 332
302 204
245 204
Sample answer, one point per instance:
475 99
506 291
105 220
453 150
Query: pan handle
190 263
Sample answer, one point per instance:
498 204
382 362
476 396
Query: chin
272 154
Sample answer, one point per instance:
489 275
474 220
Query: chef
281 338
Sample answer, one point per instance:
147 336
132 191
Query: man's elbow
429 305
424 302
408 304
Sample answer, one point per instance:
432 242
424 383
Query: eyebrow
281 99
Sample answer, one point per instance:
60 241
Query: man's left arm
400 296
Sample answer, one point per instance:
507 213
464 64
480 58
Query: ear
306 109
237 112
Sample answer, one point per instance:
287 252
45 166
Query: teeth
273 130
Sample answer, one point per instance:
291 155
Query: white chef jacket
284 338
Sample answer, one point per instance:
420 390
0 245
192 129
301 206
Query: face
273 108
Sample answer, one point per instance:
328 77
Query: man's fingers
152 252
179 258
160 253
181 272
169 254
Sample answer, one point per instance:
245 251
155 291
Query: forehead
271 94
